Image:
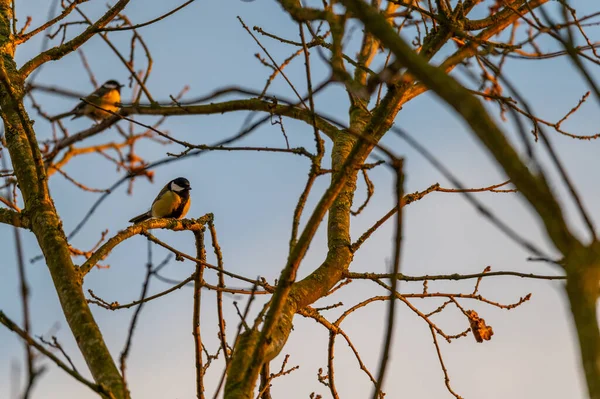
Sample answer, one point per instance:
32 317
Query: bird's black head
112 85
180 184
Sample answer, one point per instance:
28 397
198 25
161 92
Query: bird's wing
78 108
99 92
92 98
165 204
161 193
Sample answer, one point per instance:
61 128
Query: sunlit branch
14 218
140 228
66 11
73 44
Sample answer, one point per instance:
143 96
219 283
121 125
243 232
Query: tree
459 51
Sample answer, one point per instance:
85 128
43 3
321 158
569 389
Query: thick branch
503 15
583 272
14 218
254 348
46 225
253 104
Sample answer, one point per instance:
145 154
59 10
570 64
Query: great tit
106 96
173 201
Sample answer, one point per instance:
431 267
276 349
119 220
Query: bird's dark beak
189 188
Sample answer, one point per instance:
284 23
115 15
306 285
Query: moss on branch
14 218
43 218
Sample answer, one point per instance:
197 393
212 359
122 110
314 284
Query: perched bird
106 96
173 201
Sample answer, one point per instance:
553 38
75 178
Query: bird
173 201
106 97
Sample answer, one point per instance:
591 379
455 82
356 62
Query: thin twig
30 341
439 354
398 168
455 276
219 255
134 319
122 28
198 276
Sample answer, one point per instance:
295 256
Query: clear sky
533 352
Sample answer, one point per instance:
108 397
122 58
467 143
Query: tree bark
45 223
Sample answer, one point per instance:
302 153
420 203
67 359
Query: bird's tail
141 218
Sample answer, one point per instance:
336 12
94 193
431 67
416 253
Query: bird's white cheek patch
177 188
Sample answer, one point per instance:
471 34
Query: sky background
533 352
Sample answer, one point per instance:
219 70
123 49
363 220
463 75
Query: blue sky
533 353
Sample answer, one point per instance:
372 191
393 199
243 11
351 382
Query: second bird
173 201
106 97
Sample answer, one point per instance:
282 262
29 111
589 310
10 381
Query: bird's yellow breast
165 205
108 101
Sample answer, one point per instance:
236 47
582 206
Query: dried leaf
480 330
